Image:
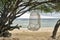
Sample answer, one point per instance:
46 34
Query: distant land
42 17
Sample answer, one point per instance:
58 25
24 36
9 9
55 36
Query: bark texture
55 29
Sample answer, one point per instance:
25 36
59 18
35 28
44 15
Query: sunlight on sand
25 34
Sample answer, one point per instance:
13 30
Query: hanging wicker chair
34 21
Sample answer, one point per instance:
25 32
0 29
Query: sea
44 22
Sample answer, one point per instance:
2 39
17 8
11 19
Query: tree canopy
43 5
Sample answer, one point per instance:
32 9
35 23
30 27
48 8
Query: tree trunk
55 29
4 32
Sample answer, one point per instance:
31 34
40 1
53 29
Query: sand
25 34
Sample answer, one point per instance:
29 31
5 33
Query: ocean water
44 22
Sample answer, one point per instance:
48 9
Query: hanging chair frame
31 26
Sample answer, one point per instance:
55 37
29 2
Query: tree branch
35 4
0 12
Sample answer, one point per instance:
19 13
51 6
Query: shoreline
42 29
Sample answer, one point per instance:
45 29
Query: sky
43 15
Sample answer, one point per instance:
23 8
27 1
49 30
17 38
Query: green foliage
49 7
45 8
1 6
57 7
6 2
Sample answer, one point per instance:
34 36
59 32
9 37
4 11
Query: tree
12 9
55 29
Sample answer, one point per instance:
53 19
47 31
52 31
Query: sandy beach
41 34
